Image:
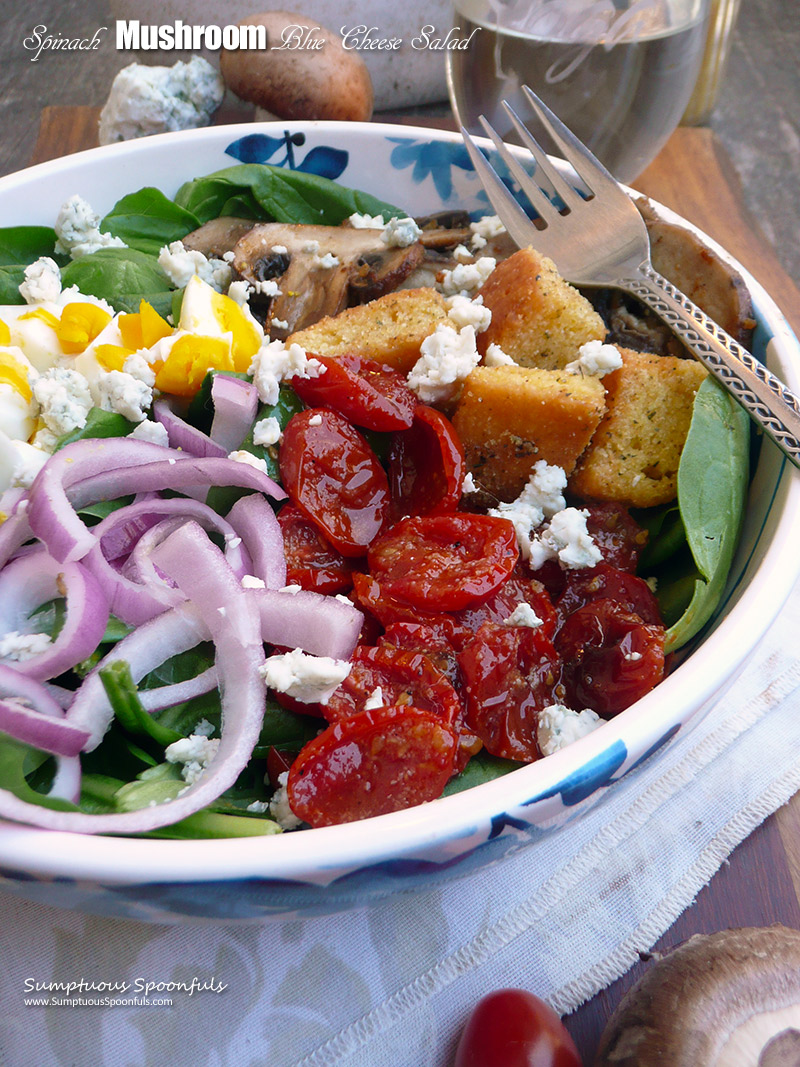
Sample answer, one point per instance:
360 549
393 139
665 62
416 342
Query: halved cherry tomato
365 392
611 658
444 562
509 674
426 466
617 534
404 678
514 1028
311 560
334 478
604 582
372 763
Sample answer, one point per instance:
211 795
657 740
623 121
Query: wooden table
760 883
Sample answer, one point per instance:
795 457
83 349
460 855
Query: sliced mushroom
363 268
718 1000
218 236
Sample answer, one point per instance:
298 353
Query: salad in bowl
321 509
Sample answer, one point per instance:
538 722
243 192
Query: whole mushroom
305 73
730 999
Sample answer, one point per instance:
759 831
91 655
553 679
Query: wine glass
618 74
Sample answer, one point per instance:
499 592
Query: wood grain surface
760 883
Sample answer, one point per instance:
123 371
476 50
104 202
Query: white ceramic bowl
326 870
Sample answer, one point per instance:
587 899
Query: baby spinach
261 191
712 487
122 276
147 220
99 423
19 246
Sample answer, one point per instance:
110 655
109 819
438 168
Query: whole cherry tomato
311 560
444 562
611 658
514 1028
370 764
509 674
426 466
334 478
365 392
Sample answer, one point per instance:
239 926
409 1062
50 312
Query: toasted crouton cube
508 418
537 318
633 457
388 330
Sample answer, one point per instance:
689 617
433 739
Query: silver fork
600 239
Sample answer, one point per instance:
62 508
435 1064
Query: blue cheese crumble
558 726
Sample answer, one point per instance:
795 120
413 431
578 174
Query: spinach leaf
18 763
122 276
481 768
147 220
712 487
19 246
261 191
99 423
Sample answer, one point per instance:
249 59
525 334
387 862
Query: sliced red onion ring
183 435
235 405
48 734
37 695
229 616
50 514
15 530
67 780
30 581
117 535
149 645
167 696
60 490
321 625
256 523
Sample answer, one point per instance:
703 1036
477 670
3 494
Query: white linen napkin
390 984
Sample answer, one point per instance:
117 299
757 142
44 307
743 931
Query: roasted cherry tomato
618 536
365 392
444 562
438 637
611 658
514 1028
509 674
334 478
426 466
516 590
372 763
604 582
311 560
404 678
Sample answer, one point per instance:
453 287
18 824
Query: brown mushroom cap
724 999
326 82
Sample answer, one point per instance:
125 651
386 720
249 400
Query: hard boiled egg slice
17 406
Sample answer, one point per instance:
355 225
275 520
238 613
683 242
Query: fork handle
764 397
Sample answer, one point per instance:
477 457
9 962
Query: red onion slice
50 514
321 625
256 523
54 735
117 536
149 645
67 780
235 405
183 435
30 581
167 696
225 611
15 530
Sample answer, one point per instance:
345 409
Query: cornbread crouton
510 417
388 330
537 318
633 457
